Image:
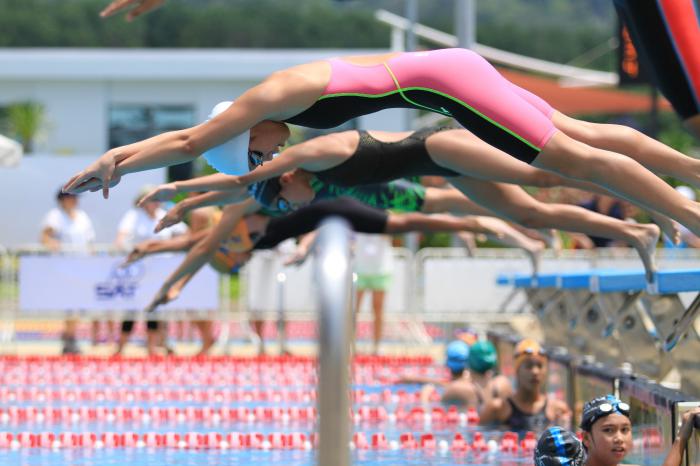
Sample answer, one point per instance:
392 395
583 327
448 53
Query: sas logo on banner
123 282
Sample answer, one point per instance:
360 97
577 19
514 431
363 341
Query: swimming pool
215 411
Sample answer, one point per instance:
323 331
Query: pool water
223 411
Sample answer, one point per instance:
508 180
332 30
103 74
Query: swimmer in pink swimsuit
467 88
454 82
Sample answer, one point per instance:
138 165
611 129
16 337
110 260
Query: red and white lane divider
38 395
428 441
257 441
210 371
190 440
277 414
361 360
157 414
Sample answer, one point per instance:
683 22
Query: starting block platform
617 316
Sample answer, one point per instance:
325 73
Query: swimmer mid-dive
257 231
452 82
398 196
357 158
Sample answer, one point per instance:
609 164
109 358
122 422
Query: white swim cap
686 191
230 157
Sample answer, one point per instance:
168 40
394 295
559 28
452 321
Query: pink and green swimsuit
457 83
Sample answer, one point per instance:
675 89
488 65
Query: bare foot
552 240
534 253
668 226
646 236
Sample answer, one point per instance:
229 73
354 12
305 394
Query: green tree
24 121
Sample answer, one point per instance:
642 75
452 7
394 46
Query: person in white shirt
67 228
137 225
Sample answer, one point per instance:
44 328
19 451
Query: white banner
98 283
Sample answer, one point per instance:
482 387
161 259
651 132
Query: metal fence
440 285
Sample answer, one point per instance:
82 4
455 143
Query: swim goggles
531 352
255 158
607 408
283 205
592 413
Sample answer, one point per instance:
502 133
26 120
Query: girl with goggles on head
607 437
528 409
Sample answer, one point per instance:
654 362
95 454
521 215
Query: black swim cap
559 447
601 407
265 192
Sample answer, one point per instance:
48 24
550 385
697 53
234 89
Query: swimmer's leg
622 175
461 151
654 155
515 204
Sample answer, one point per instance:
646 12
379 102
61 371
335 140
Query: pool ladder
333 277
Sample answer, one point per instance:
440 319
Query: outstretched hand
135 255
141 7
164 296
172 217
164 192
99 175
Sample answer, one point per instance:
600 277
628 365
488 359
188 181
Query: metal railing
584 76
333 276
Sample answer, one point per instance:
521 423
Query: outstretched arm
202 251
155 246
179 210
258 103
215 182
296 156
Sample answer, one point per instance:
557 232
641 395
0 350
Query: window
132 123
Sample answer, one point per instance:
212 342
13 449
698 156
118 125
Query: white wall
29 191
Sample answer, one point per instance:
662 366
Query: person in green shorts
374 263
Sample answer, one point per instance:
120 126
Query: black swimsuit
362 218
376 161
521 421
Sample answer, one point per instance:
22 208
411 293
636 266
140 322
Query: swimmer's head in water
559 447
482 356
457 354
601 407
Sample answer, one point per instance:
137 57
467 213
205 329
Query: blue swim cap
457 355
